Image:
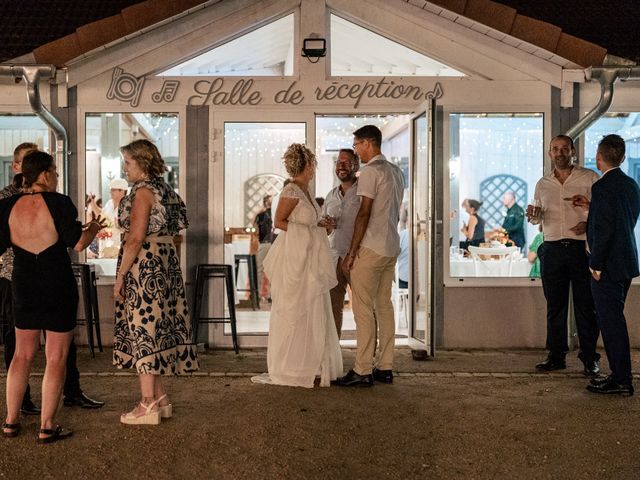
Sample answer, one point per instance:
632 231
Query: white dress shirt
558 213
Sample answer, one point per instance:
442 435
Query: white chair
500 256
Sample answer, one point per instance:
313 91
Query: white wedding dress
303 342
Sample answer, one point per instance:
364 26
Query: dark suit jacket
614 209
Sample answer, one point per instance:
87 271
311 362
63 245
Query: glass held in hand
534 209
329 221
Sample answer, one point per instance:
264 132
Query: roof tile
457 6
580 51
534 31
59 51
101 32
491 14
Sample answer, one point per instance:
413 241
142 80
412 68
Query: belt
566 242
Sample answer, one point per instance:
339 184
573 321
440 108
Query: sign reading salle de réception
219 91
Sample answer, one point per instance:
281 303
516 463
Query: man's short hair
612 148
22 147
564 137
352 155
265 199
371 133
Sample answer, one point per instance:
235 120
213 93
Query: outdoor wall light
314 48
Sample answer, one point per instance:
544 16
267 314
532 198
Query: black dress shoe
551 364
352 379
600 380
81 400
383 376
29 408
591 369
611 387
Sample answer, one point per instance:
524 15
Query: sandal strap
148 408
51 431
11 426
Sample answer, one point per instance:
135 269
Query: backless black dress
45 294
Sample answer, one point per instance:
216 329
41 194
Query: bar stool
204 272
254 292
85 274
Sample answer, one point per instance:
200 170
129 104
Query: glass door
421 231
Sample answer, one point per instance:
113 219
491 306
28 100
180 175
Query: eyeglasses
355 145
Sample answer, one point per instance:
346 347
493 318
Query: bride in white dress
303 342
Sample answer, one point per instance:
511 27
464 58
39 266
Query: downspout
32 75
607 76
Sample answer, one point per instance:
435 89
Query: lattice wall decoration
492 190
254 191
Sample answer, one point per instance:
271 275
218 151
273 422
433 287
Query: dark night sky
612 24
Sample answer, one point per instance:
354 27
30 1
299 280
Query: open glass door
421 227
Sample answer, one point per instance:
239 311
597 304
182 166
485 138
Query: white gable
267 51
356 51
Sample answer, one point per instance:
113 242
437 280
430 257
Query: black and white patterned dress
152 325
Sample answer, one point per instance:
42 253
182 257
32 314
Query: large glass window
495 162
17 129
627 125
105 180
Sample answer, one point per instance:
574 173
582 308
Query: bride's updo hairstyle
296 159
33 164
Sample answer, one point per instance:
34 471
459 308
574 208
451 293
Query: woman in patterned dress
152 325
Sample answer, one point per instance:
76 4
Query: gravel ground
471 415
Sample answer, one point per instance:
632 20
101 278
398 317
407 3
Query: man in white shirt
372 259
563 256
342 203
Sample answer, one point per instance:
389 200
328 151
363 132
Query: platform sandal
166 411
149 417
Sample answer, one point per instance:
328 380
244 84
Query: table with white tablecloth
465 267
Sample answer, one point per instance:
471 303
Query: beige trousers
371 281
337 294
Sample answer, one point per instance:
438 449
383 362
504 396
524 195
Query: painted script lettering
214 92
383 88
289 95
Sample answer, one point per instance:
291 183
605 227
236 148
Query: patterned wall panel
254 191
492 190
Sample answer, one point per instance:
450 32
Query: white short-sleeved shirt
382 181
345 207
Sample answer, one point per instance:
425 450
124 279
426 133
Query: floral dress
152 325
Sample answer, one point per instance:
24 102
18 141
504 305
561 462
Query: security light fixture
314 49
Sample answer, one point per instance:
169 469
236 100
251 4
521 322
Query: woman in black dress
474 230
40 224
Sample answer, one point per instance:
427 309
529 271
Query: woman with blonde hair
303 342
152 326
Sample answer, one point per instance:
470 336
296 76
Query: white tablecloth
105 267
489 268
230 250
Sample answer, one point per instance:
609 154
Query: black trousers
609 298
565 263
72 379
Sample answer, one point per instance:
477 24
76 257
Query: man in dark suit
613 260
